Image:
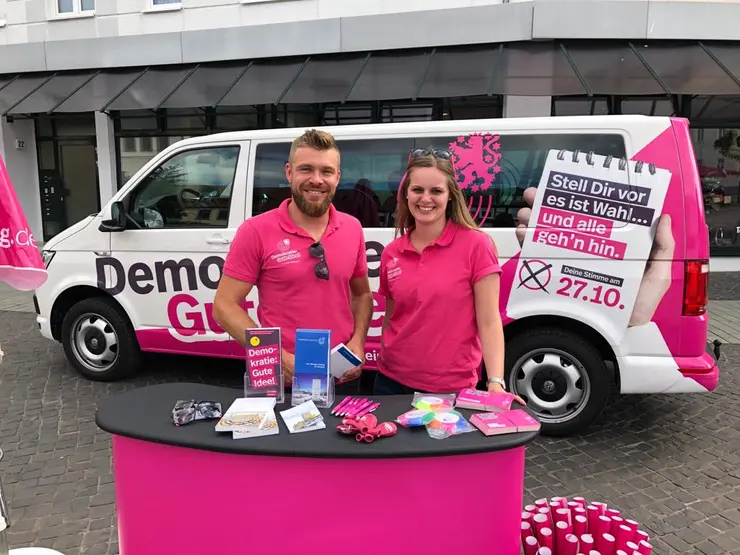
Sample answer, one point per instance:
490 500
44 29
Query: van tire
560 364
98 327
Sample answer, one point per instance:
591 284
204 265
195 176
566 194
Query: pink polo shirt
271 251
432 342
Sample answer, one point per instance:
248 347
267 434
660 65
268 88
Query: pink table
192 490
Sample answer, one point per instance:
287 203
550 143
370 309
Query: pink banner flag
21 265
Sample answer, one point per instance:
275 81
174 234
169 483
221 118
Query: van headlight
46 256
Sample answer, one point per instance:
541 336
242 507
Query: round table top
146 414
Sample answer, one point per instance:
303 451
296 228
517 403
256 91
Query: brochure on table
264 374
312 380
250 417
255 417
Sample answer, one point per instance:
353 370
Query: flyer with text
589 236
264 374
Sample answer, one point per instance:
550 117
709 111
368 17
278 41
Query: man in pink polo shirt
306 259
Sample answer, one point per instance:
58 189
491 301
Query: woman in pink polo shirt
440 278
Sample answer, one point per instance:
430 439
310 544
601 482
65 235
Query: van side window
371 173
190 190
372 170
519 166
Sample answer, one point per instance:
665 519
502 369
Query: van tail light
696 287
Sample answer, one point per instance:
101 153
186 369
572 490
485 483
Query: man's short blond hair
316 139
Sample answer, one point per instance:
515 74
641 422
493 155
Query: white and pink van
614 295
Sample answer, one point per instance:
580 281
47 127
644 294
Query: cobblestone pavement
724 286
670 462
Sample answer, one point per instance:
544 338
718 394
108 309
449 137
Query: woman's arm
490 327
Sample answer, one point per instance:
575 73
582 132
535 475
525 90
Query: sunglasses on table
439 153
185 412
320 270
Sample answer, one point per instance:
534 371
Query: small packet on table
449 423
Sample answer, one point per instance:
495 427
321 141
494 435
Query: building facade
90 90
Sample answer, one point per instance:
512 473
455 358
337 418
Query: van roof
549 123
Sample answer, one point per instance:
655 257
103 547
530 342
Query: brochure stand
313 380
264 374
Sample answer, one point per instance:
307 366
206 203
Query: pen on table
340 405
341 410
363 405
368 410
349 408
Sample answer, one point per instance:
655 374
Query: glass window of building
75 6
717 152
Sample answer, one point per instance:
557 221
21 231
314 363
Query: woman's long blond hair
457 211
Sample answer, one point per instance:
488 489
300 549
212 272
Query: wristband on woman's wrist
497 380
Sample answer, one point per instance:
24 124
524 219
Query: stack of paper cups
559 526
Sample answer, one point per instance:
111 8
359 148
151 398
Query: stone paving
670 462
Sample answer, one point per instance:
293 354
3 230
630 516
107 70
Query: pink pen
341 404
365 403
346 407
368 410
350 411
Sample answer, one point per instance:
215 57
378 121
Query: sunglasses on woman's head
321 270
438 153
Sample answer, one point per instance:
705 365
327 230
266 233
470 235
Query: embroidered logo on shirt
393 271
285 254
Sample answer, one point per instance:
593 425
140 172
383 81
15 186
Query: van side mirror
117 221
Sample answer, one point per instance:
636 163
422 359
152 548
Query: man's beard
311 209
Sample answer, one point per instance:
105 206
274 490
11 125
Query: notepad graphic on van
343 360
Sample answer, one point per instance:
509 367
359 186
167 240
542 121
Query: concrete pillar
106 149
527 106
18 150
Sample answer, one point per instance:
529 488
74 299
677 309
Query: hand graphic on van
657 277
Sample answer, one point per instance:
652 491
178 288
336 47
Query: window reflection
137 151
718 159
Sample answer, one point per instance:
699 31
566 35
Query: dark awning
206 86
150 90
466 71
97 92
611 68
52 93
17 90
324 79
263 83
535 68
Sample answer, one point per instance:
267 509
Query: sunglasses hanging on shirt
320 270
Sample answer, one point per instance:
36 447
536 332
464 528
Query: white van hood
59 238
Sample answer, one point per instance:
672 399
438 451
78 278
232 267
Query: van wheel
561 376
98 340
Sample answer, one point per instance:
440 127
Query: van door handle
218 241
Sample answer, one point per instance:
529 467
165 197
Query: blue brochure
312 380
